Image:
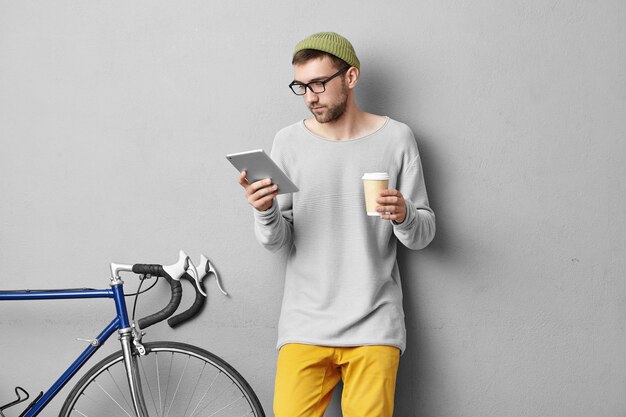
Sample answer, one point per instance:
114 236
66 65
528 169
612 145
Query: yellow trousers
306 376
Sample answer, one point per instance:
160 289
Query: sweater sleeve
274 227
418 228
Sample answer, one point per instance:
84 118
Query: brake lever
207 267
186 265
192 271
175 271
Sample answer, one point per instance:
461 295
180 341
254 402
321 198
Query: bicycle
145 379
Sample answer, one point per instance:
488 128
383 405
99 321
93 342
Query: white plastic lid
375 176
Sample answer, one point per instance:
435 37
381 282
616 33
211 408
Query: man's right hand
260 194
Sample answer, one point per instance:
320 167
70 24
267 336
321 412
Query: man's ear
352 75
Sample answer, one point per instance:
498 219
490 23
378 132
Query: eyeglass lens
316 87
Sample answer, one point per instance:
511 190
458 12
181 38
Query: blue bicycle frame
120 322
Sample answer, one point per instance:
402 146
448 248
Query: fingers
391 192
392 205
242 179
258 186
395 217
388 200
265 202
254 187
388 209
259 193
395 213
391 197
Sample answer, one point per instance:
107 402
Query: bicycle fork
132 373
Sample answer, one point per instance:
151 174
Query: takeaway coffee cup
373 184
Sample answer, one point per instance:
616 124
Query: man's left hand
392 205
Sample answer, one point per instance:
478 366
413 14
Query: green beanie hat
332 43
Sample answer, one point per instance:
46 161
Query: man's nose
310 96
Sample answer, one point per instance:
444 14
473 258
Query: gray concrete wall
115 118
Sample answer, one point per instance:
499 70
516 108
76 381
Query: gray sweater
342 284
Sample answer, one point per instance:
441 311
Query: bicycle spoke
217 396
107 393
178 386
156 359
247 414
226 406
147 381
205 394
113 399
169 374
195 388
84 395
119 389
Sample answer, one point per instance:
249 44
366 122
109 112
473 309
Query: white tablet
258 166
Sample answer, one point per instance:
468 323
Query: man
342 316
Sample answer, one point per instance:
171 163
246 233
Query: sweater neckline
359 139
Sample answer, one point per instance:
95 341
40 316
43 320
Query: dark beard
335 111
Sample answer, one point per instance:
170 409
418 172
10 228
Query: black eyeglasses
316 87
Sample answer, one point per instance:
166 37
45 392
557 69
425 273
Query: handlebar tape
149 269
191 311
177 293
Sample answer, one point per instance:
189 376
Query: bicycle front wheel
177 380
